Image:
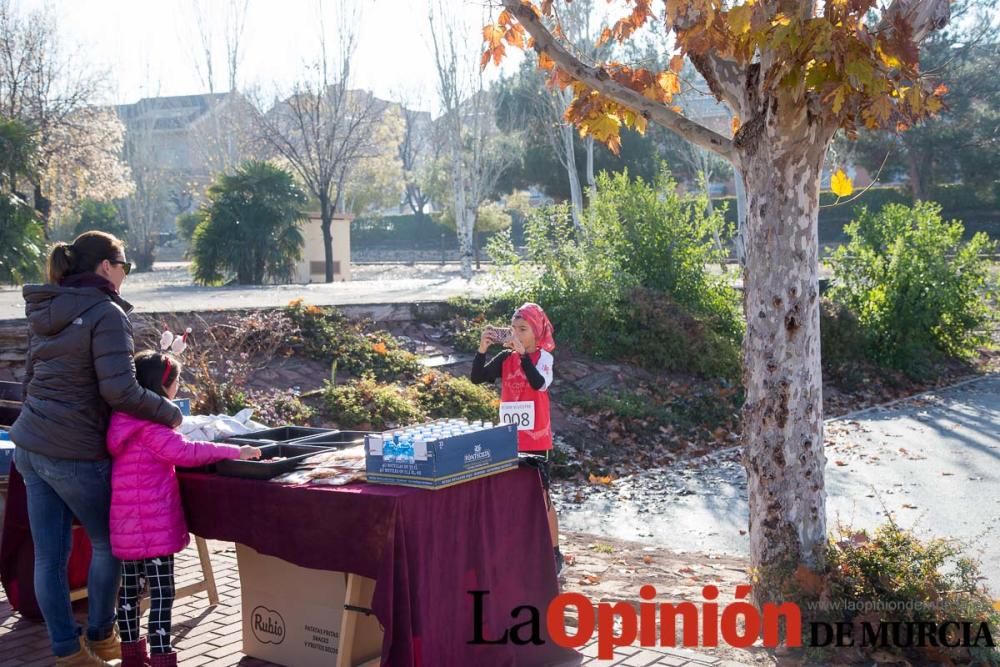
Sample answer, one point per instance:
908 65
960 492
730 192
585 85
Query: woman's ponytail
61 262
84 254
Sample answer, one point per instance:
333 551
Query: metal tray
293 454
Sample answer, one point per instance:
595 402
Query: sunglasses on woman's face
126 266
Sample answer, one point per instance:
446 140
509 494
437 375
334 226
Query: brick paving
205 635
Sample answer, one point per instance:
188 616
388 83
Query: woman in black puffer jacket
79 368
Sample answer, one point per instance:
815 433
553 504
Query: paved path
934 461
169 289
213 636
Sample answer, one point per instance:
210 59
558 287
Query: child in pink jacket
147 519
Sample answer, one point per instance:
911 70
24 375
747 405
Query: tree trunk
916 180
326 221
591 180
575 193
709 210
465 222
739 243
43 205
464 218
475 245
783 414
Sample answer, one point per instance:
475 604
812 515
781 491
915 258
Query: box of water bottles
441 453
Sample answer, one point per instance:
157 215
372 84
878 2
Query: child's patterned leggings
159 574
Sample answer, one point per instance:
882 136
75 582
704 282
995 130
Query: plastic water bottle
392 448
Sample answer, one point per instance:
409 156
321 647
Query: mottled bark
783 414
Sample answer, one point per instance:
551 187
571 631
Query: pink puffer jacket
147 519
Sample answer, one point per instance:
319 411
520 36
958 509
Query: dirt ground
609 570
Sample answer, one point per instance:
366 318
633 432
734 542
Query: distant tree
324 129
963 141
250 227
53 92
22 241
100 215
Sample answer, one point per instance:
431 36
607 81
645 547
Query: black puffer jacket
80 368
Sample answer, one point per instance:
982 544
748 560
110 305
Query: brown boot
107 649
134 654
163 659
82 658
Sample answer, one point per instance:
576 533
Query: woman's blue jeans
58 490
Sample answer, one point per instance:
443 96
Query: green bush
366 404
841 337
891 575
22 235
615 289
918 291
326 334
100 215
22 242
250 227
441 395
279 407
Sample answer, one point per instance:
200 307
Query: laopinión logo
656 624
268 625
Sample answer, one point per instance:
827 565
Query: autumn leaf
841 184
544 61
606 480
602 128
515 36
739 19
492 35
380 348
734 124
669 82
810 582
677 64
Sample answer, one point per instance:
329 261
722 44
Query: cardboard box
295 616
446 462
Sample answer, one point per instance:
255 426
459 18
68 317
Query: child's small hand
515 344
485 340
248 452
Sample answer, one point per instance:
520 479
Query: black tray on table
292 454
334 439
281 434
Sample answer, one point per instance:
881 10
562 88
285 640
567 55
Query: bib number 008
518 413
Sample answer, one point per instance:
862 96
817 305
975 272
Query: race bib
519 413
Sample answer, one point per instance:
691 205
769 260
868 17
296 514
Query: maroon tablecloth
17 553
425 550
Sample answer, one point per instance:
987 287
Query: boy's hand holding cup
248 452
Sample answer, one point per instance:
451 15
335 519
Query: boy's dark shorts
538 461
